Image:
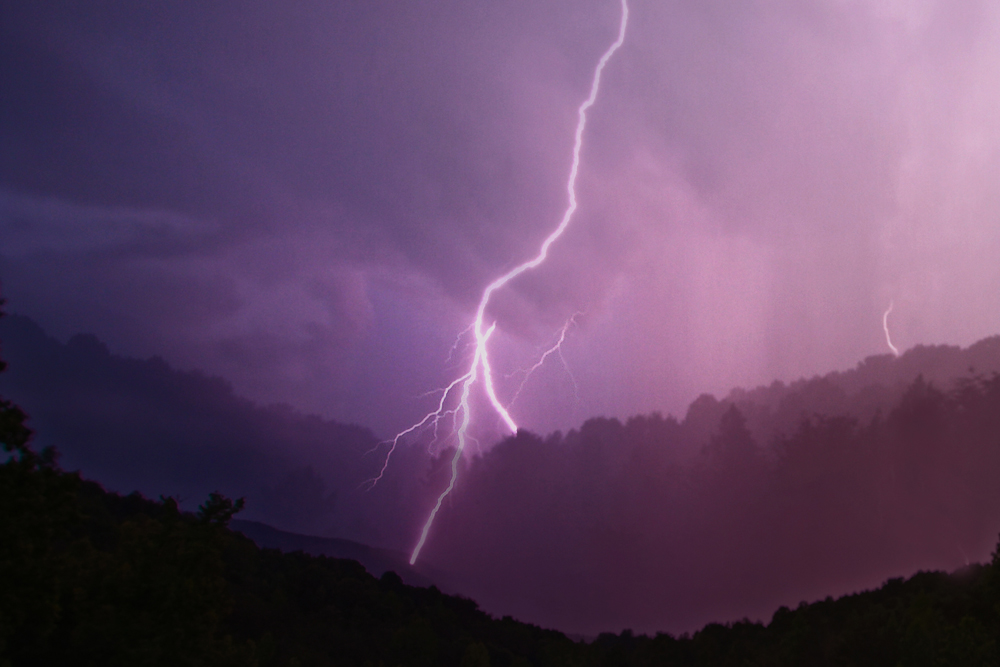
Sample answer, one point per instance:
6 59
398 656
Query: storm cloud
308 199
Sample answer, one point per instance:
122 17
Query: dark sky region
307 198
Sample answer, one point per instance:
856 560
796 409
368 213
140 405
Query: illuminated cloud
306 199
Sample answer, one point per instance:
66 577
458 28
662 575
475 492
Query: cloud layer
309 199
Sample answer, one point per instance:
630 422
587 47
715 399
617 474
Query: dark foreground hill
95 578
375 561
140 424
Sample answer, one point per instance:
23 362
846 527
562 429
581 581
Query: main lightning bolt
885 327
480 363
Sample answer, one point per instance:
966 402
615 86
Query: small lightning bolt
458 343
430 418
555 349
885 327
480 359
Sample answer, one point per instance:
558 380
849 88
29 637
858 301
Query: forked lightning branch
479 371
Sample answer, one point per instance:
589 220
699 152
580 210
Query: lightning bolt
555 349
480 360
885 327
433 418
458 343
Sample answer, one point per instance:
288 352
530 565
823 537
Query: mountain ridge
762 498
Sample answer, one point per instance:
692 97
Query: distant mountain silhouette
605 518
142 425
872 387
765 497
376 561
113 598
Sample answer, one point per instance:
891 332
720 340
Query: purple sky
307 198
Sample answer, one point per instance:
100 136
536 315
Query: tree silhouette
14 434
219 510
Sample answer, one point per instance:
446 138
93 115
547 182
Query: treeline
615 524
141 424
875 385
765 498
93 578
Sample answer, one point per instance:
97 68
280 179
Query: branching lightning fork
480 360
556 348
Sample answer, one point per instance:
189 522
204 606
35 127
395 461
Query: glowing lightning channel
434 417
470 379
480 359
431 417
885 327
555 349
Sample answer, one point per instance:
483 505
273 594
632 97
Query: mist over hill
872 387
141 425
769 496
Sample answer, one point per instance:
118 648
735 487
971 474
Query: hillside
611 525
873 386
95 578
764 498
142 425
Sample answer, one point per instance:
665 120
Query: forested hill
92 578
654 523
874 386
141 425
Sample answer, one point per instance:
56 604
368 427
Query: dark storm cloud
250 115
304 148
263 190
